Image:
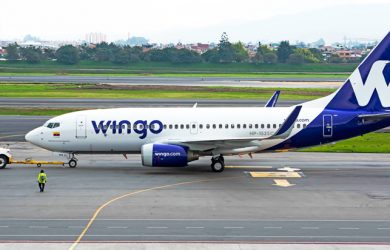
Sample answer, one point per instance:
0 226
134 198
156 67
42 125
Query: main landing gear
217 163
73 161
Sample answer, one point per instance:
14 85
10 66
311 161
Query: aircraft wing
282 133
273 100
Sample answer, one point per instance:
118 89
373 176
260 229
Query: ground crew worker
42 178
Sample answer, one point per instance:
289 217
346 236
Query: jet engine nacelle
165 155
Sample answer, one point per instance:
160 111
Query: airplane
173 137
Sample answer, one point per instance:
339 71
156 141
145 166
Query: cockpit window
53 125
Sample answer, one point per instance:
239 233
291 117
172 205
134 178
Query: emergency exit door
81 127
328 125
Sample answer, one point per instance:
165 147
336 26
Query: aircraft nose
33 136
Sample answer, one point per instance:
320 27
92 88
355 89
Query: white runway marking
309 227
157 227
194 227
233 227
273 227
117 227
348 228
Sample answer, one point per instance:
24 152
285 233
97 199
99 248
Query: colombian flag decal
56 134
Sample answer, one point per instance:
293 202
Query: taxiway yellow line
275 174
252 167
97 212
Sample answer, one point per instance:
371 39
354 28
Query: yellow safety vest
42 178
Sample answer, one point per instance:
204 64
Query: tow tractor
6 158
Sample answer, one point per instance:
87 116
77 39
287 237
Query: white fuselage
76 132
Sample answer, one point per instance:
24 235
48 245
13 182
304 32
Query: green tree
225 49
49 53
211 55
295 58
284 51
120 56
240 53
12 52
31 54
260 53
185 56
270 58
68 54
307 55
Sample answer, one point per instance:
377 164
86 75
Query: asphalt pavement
315 82
337 198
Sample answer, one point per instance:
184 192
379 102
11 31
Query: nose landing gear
73 161
217 163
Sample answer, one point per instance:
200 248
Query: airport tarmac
332 198
303 82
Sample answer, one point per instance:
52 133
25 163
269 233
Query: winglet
288 124
273 100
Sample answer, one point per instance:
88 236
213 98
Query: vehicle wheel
39 165
3 161
72 163
217 166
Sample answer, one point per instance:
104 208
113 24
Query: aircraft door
194 128
327 125
81 127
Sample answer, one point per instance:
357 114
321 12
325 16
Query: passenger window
187 126
226 125
220 125
243 125
304 125
232 126
256 125
165 126
193 126
214 126
238 125
207 126
274 126
298 125
280 125
170 126
268 126
201 126
262 125
181 126
176 126
250 125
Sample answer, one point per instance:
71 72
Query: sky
165 21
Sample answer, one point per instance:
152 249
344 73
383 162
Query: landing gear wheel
3 161
72 163
218 164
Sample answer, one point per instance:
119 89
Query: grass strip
368 143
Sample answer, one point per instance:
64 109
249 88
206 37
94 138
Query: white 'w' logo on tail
375 80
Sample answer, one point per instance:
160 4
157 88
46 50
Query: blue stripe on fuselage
346 124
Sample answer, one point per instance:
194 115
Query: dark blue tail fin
367 88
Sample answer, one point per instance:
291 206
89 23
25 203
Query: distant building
200 47
349 54
95 38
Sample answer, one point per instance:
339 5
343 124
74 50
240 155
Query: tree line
224 52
